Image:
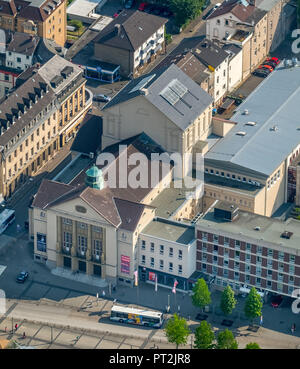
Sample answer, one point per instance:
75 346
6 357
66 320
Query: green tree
252 345
177 330
185 10
226 340
204 336
228 301
76 23
253 305
201 294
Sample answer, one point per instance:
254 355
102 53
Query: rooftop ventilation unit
246 112
241 133
251 124
286 235
257 228
274 128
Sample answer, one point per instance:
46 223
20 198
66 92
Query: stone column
74 247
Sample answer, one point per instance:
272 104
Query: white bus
6 218
136 316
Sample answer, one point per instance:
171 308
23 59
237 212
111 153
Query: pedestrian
261 320
293 328
18 228
16 326
103 293
24 335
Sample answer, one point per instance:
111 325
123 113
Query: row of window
274 179
237 244
161 264
233 176
82 243
162 249
81 225
236 276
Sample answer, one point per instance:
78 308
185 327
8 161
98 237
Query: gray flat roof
274 103
270 228
171 231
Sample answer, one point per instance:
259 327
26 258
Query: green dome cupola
94 178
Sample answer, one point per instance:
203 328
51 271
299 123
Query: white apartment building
167 250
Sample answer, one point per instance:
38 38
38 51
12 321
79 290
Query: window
83 225
143 245
41 242
161 264
67 221
180 254
216 238
67 239
215 260
226 241
152 262
143 259
237 255
215 249
171 251
152 247
179 269
170 267
270 253
248 247
161 249
204 247
292 259
281 255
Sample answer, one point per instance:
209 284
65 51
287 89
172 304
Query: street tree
201 294
252 345
253 305
226 340
185 10
204 336
228 301
177 330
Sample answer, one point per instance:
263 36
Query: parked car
143 7
276 60
266 66
129 4
272 63
22 276
262 72
211 11
276 300
117 13
102 98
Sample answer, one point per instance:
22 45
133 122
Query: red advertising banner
151 276
125 264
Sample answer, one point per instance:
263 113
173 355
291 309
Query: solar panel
178 87
142 83
169 95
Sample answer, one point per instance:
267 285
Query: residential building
217 61
242 23
44 18
167 251
249 250
167 105
16 54
192 67
132 40
38 118
249 165
235 65
293 185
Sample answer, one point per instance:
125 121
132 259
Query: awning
247 290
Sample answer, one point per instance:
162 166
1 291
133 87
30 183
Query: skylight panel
178 87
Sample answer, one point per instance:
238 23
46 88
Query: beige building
45 18
167 105
132 41
249 165
38 119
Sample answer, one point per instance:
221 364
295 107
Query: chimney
117 29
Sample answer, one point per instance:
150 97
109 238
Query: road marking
2 268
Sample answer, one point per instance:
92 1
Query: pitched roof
188 63
22 43
130 29
184 111
241 9
209 53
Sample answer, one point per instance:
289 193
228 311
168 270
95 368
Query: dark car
276 300
21 278
261 72
276 60
102 98
129 4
